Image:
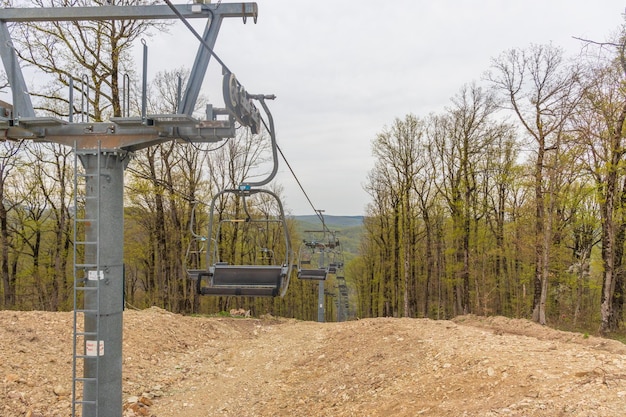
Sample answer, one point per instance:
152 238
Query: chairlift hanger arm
239 102
213 221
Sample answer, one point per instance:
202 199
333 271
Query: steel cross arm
126 134
149 12
22 103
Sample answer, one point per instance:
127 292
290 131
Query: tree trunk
7 280
539 313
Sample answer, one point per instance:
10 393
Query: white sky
343 70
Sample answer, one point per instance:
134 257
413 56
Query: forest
510 202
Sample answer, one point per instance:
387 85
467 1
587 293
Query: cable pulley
238 102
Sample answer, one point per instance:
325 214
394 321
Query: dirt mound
198 367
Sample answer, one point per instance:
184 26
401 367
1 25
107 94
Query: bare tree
397 150
459 141
54 181
600 122
498 181
9 159
93 54
540 90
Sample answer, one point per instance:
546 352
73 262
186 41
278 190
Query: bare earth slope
198 367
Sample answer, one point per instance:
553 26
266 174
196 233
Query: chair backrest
246 275
244 280
314 274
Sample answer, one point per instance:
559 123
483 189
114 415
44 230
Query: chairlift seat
244 280
313 274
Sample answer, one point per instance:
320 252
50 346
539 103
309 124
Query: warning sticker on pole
95 275
91 348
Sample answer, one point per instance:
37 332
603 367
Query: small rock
132 400
145 401
15 395
61 391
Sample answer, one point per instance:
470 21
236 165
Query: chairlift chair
311 261
335 263
224 278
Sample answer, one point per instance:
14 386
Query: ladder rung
86 378
85 220
83 288
86 334
87 357
85 266
78 287
85 402
87 311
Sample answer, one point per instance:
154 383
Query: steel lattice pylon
104 150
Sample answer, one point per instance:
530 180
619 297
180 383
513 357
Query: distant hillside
349 230
331 221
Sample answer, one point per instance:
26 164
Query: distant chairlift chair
310 252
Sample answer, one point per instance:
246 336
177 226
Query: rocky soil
199 367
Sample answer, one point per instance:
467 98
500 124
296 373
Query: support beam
320 302
200 65
320 292
22 106
149 12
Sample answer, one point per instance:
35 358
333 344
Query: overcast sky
343 70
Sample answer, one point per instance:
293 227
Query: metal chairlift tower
325 247
103 149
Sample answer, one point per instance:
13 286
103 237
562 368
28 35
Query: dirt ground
199 367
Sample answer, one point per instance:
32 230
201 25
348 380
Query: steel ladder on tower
87 345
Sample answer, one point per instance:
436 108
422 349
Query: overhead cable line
317 212
199 149
295 177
